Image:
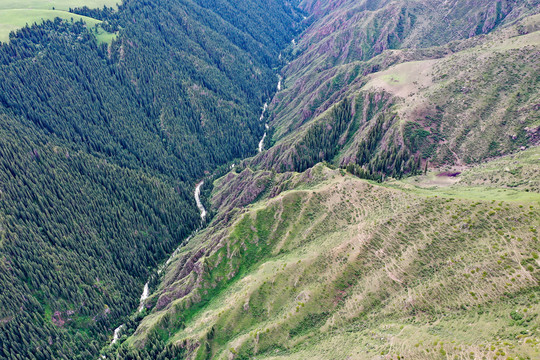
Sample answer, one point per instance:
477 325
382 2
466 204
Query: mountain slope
455 104
328 265
309 260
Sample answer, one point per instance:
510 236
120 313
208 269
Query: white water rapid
261 143
198 200
144 296
117 333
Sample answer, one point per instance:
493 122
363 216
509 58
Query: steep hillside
456 103
101 148
326 265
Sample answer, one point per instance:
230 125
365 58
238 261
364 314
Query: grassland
333 267
517 173
17 14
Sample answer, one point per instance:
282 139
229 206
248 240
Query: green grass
343 267
17 14
514 177
105 37
394 79
57 4
480 193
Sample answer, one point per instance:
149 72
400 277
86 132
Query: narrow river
261 143
144 296
146 290
117 333
198 200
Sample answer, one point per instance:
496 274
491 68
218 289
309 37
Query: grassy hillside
17 14
326 265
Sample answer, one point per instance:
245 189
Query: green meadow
17 14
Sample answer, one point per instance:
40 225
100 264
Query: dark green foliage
375 160
362 173
368 146
414 136
100 148
321 143
78 235
269 141
155 349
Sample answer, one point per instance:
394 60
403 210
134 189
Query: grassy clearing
403 79
56 4
473 193
17 14
514 177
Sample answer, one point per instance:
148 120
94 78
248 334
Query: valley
353 179
102 146
423 245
